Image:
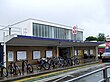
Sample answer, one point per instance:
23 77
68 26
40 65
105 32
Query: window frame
48 52
12 53
21 58
34 56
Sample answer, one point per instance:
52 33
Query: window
36 55
43 31
86 52
49 54
10 56
40 30
37 31
21 55
79 53
34 30
66 34
91 52
55 32
75 52
47 31
50 32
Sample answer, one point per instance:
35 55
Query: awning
37 41
102 46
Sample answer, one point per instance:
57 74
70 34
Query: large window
47 31
36 55
78 36
21 55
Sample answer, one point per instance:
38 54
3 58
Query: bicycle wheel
46 66
18 72
69 62
30 68
4 72
77 61
10 69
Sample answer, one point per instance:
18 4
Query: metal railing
100 75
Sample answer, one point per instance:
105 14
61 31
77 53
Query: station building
32 39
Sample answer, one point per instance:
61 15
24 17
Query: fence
100 75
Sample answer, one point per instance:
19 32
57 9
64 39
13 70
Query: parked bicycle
67 62
75 61
14 69
26 66
42 64
3 71
57 62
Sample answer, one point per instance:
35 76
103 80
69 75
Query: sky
93 16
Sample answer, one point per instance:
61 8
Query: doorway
64 52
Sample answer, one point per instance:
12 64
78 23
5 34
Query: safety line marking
48 74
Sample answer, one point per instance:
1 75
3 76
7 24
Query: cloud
90 15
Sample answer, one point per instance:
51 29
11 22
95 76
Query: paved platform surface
52 75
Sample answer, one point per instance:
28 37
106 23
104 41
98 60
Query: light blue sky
91 15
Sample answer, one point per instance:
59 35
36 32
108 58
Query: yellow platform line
52 73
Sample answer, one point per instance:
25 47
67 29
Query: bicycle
67 62
4 71
75 61
27 66
14 69
42 64
57 62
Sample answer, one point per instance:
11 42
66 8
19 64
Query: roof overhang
37 41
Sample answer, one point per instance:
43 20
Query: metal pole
105 75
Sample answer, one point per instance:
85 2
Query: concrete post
72 51
96 52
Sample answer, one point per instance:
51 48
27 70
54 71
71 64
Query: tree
101 37
91 38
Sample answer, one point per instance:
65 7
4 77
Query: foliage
91 38
100 37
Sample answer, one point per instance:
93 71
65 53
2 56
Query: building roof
21 40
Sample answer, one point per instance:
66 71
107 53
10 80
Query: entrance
1 53
64 52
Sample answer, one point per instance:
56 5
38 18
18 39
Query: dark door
64 52
1 53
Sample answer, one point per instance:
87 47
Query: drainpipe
9 31
4 50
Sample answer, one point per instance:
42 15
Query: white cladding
25 27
